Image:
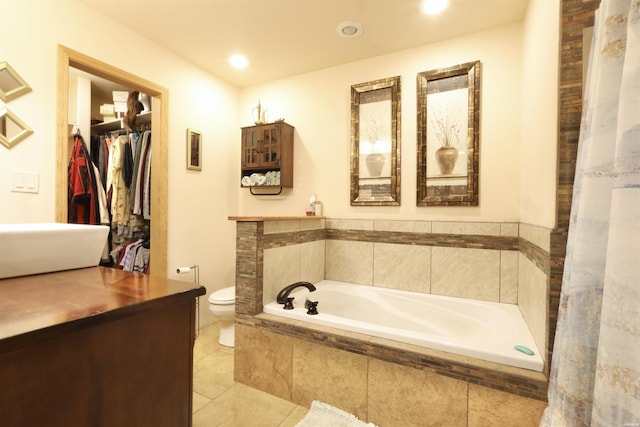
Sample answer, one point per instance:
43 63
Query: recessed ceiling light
433 7
238 61
349 29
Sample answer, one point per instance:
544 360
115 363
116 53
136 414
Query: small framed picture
194 150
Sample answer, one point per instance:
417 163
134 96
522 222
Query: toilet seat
225 296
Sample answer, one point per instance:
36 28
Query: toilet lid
224 296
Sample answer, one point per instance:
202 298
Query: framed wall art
194 150
448 121
375 143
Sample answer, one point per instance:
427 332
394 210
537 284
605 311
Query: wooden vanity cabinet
96 347
268 147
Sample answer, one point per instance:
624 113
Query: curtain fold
595 371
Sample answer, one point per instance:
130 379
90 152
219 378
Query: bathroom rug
324 415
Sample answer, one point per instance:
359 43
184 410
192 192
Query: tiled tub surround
484 261
497 262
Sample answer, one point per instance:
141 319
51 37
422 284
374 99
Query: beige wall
538 155
518 125
317 104
199 203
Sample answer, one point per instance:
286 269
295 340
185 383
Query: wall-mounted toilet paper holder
196 279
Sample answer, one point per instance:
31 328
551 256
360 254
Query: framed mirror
375 143
11 84
448 127
12 129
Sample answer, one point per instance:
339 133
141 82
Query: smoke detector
349 29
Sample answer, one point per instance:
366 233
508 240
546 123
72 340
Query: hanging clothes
120 207
133 256
123 158
146 203
143 160
83 203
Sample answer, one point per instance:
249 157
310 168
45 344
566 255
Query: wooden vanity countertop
30 305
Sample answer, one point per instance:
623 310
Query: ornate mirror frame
11 84
448 127
375 143
12 129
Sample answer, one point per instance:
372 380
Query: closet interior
109 166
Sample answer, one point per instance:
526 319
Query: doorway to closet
68 58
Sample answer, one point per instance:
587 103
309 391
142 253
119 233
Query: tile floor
220 401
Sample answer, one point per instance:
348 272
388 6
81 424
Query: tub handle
288 305
311 306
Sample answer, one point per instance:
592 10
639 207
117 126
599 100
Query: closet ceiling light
349 29
433 7
238 62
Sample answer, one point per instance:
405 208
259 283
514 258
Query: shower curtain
595 369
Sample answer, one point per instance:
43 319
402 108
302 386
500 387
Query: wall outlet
26 182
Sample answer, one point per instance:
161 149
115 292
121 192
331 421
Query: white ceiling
283 38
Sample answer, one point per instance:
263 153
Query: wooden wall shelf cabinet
267 148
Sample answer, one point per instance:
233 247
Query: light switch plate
25 182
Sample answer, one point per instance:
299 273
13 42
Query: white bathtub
27 249
483 330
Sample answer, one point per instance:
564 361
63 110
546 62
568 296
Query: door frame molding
159 128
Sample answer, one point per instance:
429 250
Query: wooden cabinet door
270 156
251 148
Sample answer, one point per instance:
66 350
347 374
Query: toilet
222 304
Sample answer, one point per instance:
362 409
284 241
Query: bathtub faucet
284 298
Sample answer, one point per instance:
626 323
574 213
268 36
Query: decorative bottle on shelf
259 114
311 208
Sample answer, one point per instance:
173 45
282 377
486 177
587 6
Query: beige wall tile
333 376
350 224
405 226
312 224
509 229
349 261
509 277
467 273
401 396
489 407
539 236
263 360
281 267
472 228
532 298
401 266
271 227
312 260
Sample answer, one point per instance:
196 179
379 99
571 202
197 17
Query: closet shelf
118 123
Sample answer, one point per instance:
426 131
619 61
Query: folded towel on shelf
259 179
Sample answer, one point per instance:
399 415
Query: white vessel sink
45 247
